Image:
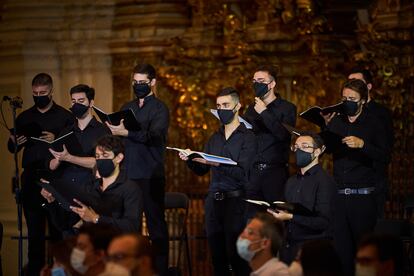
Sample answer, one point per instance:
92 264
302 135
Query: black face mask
351 108
41 101
79 110
141 90
303 158
260 88
226 115
105 167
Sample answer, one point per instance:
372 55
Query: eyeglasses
118 257
141 82
301 147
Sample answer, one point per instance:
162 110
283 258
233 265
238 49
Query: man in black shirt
312 188
269 172
383 114
113 198
77 167
144 155
45 120
224 205
358 142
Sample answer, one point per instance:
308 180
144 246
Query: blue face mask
58 271
243 249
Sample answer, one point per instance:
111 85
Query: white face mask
361 270
77 258
113 269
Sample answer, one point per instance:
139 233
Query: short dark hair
388 247
270 69
366 74
319 258
317 140
89 91
42 79
273 229
229 91
111 143
100 236
358 86
145 68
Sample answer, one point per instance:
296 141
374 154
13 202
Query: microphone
15 102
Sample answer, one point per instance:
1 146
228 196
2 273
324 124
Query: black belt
360 191
224 195
266 166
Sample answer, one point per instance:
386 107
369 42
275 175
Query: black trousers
154 193
224 223
354 216
267 185
36 218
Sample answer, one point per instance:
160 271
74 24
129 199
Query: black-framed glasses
134 82
303 147
118 257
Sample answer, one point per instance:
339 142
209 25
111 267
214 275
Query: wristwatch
96 221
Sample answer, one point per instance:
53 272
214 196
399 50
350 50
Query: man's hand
48 136
63 155
184 156
48 196
118 130
21 139
259 105
204 161
86 213
281 215
328 117
353 142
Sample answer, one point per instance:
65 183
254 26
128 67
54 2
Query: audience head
263 236
134 252
42 86
82 97
228 105
319 258
109 153
143 80
354 96
308 147
264 81
379 254
91 244
61 252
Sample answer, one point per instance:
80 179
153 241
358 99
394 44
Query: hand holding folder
204 158
277 206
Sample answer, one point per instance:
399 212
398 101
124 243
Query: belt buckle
347 191
218 196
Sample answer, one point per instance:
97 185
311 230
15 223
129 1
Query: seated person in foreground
259 244
115 199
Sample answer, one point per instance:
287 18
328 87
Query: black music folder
130 121
29 130
69 140
313 114
293 208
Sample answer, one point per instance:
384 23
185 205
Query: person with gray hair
259 244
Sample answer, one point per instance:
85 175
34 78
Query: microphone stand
17 191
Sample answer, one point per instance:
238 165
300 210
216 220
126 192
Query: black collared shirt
87 139
313 190
145 148
120 205
273 139
354 168
54 120
240 147
383 114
